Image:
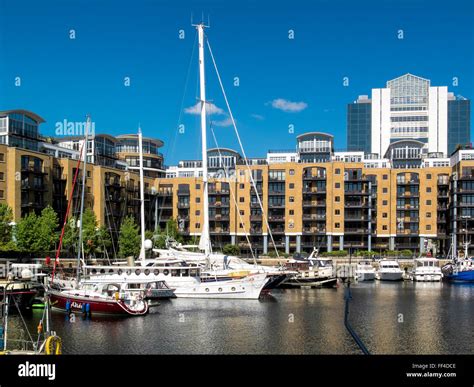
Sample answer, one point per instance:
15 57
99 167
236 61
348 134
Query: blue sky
63 78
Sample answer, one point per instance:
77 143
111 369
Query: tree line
39 234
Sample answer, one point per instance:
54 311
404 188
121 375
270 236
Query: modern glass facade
459 124
359 126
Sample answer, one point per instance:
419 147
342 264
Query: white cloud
210 109
288 106
258 117
225 122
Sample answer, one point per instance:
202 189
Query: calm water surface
391 318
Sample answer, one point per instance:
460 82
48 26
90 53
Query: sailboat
188 280
103 298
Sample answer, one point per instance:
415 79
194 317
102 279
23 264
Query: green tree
47 230
6 217
129 239
28 233
71 235
104 240
90 233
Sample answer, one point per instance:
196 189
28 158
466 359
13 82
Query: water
391 318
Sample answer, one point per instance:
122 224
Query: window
241 199
198 200
292 199
2 176
337 212
428 226
428 202
428 189
88 173
337 225
337 185
385 202
242 212
2 194
198 186
428 214
292 212
291 172
241 186
2 156
385 177
197 225
384 227
384 215
198 212
292 185
384 190
428 176
337 199
241 225
337 171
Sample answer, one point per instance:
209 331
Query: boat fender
166 272
53 345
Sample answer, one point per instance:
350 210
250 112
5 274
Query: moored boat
427 270
94 298
364 271
389 270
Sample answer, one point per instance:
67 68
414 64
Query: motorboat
427 270
389 270
313 271
364 271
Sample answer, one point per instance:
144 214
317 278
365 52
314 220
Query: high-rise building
411 113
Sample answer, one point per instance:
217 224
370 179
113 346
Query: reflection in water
391 318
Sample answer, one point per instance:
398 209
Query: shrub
230 249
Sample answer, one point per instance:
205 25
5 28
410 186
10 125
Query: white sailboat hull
249 287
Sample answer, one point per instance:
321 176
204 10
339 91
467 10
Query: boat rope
235 200
242 149
23 320
347 324
58 251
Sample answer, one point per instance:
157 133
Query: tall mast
142 198
84 173
204 243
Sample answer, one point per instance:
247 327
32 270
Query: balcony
307 203
272 192
219 217
314 191
219 192
314 230
443 180
256 217
356 205
276 205
219 230
276 218
165 193
407 232
408 181
183 205
183 193
356 230
256 230
314 217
